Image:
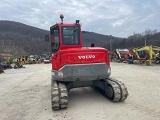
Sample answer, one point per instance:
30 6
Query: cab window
70 35
55 43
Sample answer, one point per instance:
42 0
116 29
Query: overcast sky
119 18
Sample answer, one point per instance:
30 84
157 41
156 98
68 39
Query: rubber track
63 95
120 91
55 95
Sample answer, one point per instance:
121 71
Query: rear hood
84 55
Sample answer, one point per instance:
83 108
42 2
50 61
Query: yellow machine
13 59
33 59
145 54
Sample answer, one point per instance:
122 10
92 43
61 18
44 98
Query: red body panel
82 55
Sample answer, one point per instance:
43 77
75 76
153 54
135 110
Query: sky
119 18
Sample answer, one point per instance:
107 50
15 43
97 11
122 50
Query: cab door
55 47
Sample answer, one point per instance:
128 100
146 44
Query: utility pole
145 41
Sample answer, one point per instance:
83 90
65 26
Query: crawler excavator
76 66
145 54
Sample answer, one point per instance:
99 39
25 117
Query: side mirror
47 38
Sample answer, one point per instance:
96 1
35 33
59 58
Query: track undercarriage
114 90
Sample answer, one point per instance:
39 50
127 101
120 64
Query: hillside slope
17 38
20 39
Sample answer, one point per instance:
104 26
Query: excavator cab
64 35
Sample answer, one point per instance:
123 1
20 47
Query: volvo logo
86 56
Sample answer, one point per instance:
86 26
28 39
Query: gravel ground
25 95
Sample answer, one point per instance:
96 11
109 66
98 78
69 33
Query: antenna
83 21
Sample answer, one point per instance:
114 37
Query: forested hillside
17 38
148 37
20 39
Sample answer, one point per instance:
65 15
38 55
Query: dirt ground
25 95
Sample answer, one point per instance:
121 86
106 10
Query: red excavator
76 66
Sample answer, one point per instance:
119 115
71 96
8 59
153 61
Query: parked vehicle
47 59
